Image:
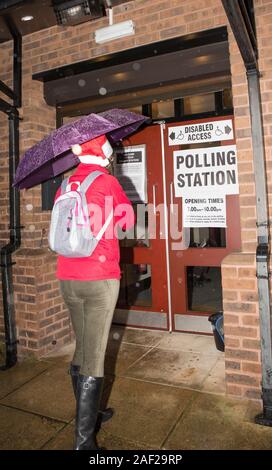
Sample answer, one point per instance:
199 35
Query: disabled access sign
211 131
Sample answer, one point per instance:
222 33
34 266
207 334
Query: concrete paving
167 390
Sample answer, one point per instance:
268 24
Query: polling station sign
211 131
206 211
206 170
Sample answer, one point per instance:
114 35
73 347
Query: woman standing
90 286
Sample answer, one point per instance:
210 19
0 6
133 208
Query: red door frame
158 185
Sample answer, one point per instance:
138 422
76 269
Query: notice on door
206 211
211 131
203 170
130 170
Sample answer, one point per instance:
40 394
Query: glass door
143 299
195 272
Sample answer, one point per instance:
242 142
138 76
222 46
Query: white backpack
70 233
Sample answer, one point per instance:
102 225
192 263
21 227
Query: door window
138 236
207 237
135 286
204 289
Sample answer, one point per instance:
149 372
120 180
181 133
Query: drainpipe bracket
262 253
12 343
252 69
260 276
16 227
5 265
13 112
266 223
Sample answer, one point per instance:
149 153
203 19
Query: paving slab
136 336
200 344
168 393
217 423
144 412
112 442
62 440
215 381
25 431
50 394
121 356
173 367
20 374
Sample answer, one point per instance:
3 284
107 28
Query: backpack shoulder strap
64 185
88 181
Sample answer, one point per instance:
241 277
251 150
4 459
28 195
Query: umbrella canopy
53 156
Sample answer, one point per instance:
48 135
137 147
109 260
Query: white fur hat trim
76 149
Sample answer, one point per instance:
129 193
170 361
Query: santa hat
95 151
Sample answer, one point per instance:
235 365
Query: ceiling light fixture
27 18
72 12
114 31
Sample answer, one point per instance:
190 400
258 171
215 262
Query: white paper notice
206 211
202 170
130 170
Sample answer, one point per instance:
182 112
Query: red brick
242 354
252 368
242 307
234 389
241 379
233 365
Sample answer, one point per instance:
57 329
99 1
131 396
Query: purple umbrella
53 156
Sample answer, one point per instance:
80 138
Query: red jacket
104 261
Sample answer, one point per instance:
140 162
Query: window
135 286
204 289
208 237
163 109
199 104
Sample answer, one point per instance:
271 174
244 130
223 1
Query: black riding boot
89 392
104 415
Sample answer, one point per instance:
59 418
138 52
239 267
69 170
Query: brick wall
42 322
38 304
243 357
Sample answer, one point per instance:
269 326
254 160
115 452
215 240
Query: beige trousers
91 306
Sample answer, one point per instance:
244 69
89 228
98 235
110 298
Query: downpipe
263 244
12 246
